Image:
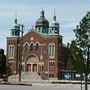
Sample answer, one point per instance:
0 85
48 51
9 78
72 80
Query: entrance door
32 63
29 67
34 67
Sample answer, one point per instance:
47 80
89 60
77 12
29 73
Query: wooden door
29 67
34 67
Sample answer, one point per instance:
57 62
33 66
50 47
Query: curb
9 83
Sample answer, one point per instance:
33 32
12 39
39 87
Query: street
44 87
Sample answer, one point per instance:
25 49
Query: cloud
68 12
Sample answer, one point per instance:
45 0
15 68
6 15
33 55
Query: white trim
26 43
37 42
31 43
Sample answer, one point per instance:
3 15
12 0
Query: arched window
11 51
51 63
37 46
31 46
25 47
51 50
12 32
39 29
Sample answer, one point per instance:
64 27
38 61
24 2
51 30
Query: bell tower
13 48
54 27
15 30
42 25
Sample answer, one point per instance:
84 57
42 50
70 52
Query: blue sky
68 12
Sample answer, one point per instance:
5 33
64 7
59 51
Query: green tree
81 32
76 59
2 63
82 41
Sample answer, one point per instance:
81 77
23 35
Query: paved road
43 87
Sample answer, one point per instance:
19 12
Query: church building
40 50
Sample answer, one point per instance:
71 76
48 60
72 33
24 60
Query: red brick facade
36 59
41 50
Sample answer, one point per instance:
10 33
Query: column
31 67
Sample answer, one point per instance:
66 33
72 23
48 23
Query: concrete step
25 76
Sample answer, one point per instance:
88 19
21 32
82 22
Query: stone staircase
25 77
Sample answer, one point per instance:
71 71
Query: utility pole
21 59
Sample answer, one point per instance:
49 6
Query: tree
81 32
76 59
2 63
82 40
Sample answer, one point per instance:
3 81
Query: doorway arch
31 63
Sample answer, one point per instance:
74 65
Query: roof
42 21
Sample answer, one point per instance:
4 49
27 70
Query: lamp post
21 59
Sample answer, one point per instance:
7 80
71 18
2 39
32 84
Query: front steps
25 77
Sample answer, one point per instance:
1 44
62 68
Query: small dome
15 25
54 23
42 21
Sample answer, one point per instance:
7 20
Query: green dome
55 24
15 30
15 25
54 27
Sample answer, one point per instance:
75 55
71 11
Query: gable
33 37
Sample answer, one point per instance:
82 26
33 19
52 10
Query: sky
69 13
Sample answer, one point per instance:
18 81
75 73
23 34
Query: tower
15 30
54 27
42 25
13 47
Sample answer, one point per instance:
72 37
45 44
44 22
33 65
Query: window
51 75
16 33
51 63
51 50
12 32
38 29
31 46
37 46
25 48
50 31
11 51
55 31
44 30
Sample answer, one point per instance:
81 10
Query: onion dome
54 23
15 25
15 30
42 25
42 21
54 27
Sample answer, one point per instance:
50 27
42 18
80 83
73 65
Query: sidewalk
43 82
